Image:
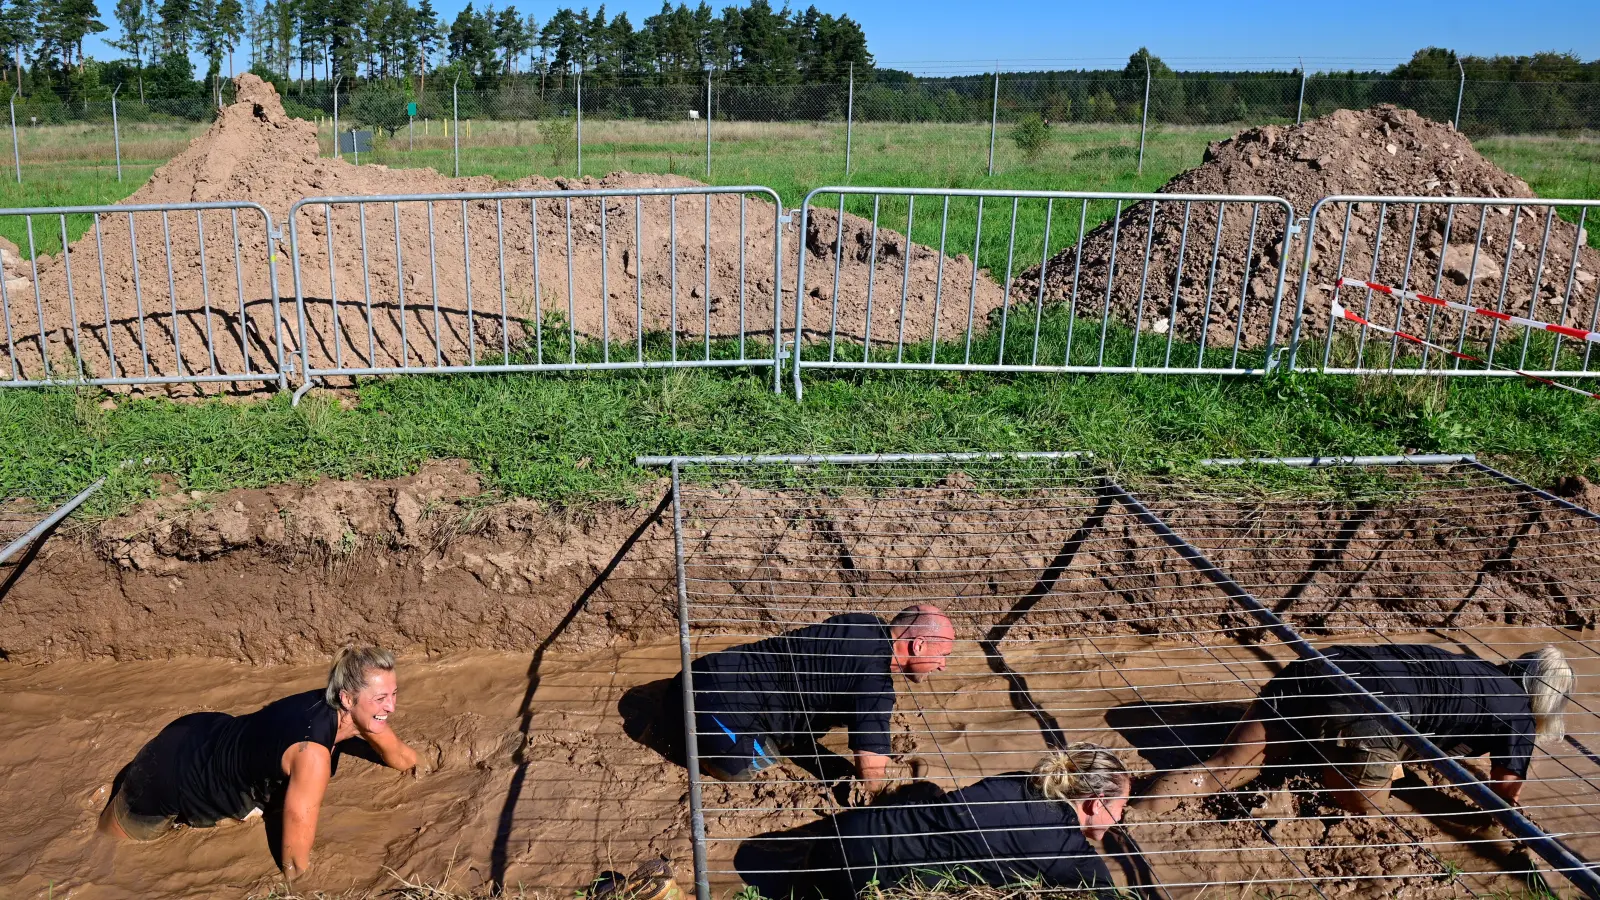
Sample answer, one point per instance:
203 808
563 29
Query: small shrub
1032 136
558 137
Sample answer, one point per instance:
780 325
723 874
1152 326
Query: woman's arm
1505 783
309 766
391 751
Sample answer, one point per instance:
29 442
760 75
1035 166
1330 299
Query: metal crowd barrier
565 280
609 279
1486 257
190 298
1068 293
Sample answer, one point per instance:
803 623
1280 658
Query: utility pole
1300 107
116 132
336 115
994 115
1144 120
849 119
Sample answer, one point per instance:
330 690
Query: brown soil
258 153
1379 151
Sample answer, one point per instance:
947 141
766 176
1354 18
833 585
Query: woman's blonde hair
1080 771
351 665
1547 677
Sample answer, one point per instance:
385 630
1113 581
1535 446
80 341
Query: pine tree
230 28
134 17
426 37
17 32
177 25
62 26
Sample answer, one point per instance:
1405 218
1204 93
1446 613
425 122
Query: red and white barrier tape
1592 337
1339 312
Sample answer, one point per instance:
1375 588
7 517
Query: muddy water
592 796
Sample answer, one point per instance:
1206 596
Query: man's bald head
922 637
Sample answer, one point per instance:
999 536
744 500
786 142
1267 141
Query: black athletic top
804 682
236 764
1467 705
997 832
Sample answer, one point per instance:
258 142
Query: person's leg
1362 762
135 811
1237 761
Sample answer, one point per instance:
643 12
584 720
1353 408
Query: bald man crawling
757 701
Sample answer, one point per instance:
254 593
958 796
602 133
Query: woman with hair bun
1021 827
209 766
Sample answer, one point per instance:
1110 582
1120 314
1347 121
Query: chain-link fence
1100 125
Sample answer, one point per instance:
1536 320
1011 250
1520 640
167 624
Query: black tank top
238 764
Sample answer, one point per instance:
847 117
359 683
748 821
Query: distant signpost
411 109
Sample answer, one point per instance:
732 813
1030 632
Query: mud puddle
587 791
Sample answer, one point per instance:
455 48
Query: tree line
767 63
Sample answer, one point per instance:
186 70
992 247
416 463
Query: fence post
1144 118
116 131
849 119
336 116
16 149
1461 92
579 112
1300 107
708 125
994 115
455 119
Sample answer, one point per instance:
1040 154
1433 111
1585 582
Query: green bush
1032 136
558 137
380 106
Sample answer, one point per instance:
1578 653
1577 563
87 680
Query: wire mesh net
1075 621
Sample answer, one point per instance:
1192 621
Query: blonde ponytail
351 666
1080 771
1547 678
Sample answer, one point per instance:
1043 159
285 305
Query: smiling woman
206 767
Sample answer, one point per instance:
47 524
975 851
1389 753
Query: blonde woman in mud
1466 705
209 766
1019 828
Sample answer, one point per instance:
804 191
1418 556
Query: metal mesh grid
1075 621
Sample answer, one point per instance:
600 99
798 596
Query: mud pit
224 602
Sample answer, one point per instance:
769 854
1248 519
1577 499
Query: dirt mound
1379 151
452 283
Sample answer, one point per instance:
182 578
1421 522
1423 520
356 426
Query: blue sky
962 36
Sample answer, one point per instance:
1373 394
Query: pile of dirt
496 266
1379 151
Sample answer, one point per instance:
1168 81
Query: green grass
571 439
72 165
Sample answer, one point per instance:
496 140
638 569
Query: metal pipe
116 131
994 115
50 521
708 131
1313 462
1558 854
814 459
1300 107
579 107
1461 93
16 150
1144 118
1512 480
336 116
702 877
455 120
849 119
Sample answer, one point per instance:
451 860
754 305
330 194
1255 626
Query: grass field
570 439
